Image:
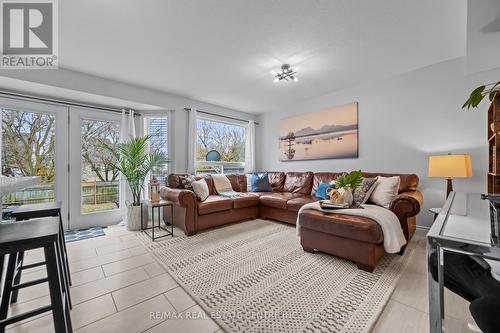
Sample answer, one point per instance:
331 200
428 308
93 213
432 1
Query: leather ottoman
355 238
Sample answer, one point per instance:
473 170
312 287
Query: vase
348 197
342 196
133 217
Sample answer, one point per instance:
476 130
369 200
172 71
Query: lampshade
450 166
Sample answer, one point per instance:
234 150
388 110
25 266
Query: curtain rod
59 101
219 115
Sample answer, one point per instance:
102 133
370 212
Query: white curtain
191 140
127 131
250 147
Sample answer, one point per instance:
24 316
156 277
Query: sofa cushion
409 182
214 203
277 180
298 182
238 182
246 200
323 177
346 226
295 203
276 200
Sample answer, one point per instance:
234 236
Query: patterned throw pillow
322 192
185 182
200 188
363 192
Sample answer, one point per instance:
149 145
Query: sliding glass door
34 143
94 197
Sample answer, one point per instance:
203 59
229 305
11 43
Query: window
223 139
99 180
28 149
157 128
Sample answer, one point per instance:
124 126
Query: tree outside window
227 139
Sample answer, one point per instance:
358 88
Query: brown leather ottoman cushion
347 226
296 203
214 203
245 200
276 200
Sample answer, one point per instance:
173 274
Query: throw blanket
394 238
223 186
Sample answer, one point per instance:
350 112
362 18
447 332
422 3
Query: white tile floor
117 284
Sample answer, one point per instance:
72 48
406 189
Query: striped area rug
254 277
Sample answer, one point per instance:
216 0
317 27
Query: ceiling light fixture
287 73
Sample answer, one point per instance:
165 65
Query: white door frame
77 218
61 135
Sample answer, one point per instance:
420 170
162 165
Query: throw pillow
363 192
249 182
322 191
260 182
200 188
185 182
222 184
385 191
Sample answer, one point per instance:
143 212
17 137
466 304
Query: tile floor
117 285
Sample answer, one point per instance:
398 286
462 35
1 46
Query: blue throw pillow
260 182
323 189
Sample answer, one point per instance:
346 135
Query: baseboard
421 230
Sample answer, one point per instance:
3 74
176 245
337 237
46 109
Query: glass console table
457 230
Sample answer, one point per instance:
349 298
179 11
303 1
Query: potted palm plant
135 162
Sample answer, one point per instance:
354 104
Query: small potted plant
135 162
345 185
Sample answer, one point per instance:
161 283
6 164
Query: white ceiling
222 51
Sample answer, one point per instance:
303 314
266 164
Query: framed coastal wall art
327 134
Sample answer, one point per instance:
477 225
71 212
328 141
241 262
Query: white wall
402 120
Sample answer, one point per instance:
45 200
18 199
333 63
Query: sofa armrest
405 205
185 208
180 197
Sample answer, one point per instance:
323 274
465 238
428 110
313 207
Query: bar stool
18 237
26 212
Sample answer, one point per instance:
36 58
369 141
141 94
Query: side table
157 205
435 211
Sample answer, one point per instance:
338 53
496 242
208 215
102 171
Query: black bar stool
18 237
26 212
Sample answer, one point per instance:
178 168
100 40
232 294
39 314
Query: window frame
144 130
221 164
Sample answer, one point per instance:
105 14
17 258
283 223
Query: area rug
254 277
76 235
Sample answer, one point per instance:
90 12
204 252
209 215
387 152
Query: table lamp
449 167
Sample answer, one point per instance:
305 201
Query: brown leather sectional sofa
355 238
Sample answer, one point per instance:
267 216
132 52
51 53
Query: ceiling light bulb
276 80
295 79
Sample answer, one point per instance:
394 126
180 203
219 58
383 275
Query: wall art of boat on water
326 134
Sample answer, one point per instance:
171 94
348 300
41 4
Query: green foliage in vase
478 94
135 162
352 179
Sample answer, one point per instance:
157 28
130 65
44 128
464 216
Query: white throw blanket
394 238
223 186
